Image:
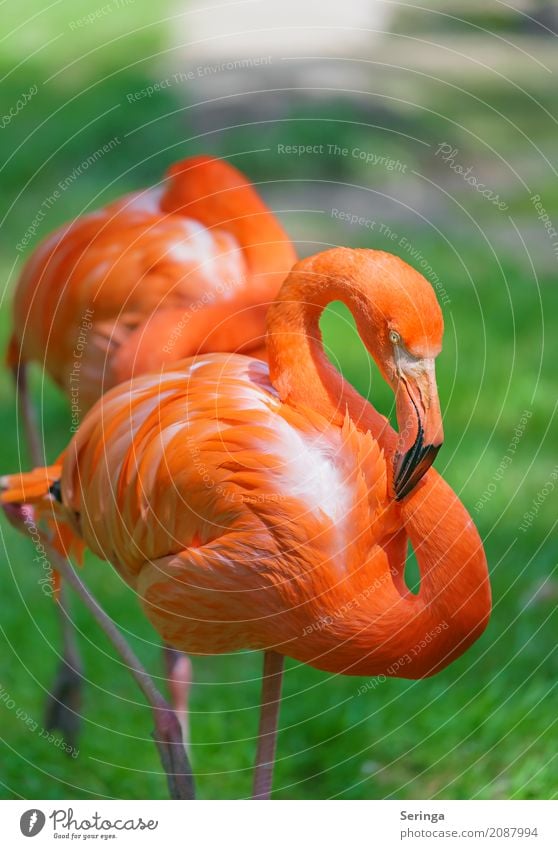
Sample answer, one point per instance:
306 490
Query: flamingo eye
394 337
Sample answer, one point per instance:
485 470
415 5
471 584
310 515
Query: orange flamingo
186 267
271 508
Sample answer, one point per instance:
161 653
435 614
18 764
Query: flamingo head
419 418
404 335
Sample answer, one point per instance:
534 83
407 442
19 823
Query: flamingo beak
420 424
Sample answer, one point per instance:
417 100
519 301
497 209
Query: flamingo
270 507
164 273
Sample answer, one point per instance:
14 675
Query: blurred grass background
471 75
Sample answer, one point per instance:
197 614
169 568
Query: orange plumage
161 274
271 508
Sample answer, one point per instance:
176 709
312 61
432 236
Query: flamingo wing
215 500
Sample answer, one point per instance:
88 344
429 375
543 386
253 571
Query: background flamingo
298 545
167 272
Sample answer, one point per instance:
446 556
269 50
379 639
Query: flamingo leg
27 411
62 709
269 716
63 706
179 679
167 732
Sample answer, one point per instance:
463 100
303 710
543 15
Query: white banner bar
281 824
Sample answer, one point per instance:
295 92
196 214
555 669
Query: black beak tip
411 467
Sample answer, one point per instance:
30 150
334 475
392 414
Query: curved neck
377 627
454 601
298 366
218 195
453 604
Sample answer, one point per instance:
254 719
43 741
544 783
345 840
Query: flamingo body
156 275
243 523
250 510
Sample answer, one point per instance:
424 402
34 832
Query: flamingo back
93 283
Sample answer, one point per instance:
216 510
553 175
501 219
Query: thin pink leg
64 702
269 716
32 436
179 680
63 706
